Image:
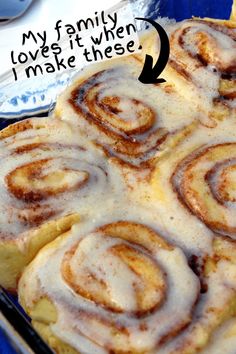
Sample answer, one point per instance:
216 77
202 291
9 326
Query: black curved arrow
150 73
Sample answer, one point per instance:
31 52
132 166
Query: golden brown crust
14 260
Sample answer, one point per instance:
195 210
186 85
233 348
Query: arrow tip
148 75
151 80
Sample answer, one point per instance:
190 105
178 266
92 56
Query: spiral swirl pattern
121 285
138 184
45 173
203 65
130 121
113 311
205 181
48 177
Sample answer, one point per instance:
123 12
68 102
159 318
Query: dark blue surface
5 346
181 9
178 9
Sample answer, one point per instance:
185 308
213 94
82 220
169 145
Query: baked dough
130 121
150 267
48 176
201 66
121 285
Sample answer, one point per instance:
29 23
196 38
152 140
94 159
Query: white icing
177 223
97 259
205 78
182 291
161 211
78 161
120 80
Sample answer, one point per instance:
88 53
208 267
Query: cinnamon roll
122 288
130 121
195 185
205 181
48 176
128 196
202 64
213 315
115 289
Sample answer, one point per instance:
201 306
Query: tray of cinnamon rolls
118 212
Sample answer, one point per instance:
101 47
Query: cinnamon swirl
195 185
122 288
115 287
48 176
131 189
132 122
203 66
